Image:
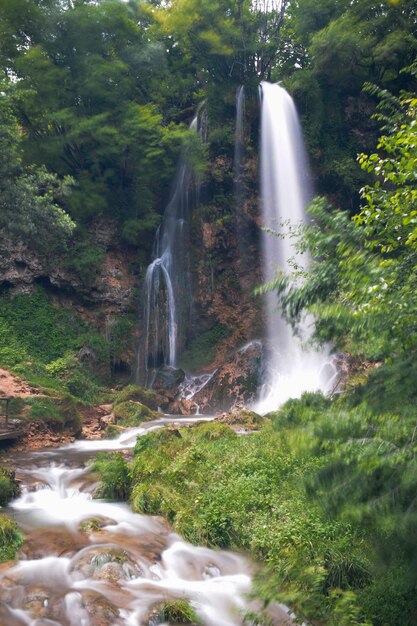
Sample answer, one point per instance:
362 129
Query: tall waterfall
290 369
167 287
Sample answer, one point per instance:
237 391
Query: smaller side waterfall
290 369
167 286
239 144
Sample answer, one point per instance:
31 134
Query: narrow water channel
87 562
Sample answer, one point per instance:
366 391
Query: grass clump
114 475
9 488
11 539
59 412
176 612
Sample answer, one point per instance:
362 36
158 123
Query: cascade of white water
291 368
167 285
239 143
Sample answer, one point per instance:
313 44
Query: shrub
60 413
176 612
9 488
11 539
86 260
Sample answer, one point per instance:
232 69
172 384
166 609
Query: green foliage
300 412
329 50
11 539
114 475
106 128
32 327
361 285
51 347
247 493
74 377
86 258
202 349
176 612
59 412
9 488
29 196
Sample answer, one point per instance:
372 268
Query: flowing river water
88 562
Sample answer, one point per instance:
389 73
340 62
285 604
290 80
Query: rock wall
111 290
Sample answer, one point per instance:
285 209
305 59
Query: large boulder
168 378
235 383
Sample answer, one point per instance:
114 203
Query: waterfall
239 144
167 285
285 191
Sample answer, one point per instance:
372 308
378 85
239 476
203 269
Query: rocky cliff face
110 290
226 267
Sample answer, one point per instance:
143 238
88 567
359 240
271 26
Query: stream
89 562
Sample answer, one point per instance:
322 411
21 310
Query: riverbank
321 496
94 562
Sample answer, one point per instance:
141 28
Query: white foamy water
127 564
291 367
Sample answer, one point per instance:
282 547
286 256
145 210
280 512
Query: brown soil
92 417
39 434
11 385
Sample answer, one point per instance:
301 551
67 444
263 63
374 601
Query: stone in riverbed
101 611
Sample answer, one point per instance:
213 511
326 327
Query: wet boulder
132 413
106 563
242 418
101 612
236 382
168 379
148 397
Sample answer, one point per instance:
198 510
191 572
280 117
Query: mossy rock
248 419
174 612
145 396
112 432
131 413
9 488
156 438
211 431
11 539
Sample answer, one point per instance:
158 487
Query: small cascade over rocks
167 286
88 562
291 368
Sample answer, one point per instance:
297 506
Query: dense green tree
333 49
30 197
89 98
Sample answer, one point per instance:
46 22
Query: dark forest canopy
102 91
